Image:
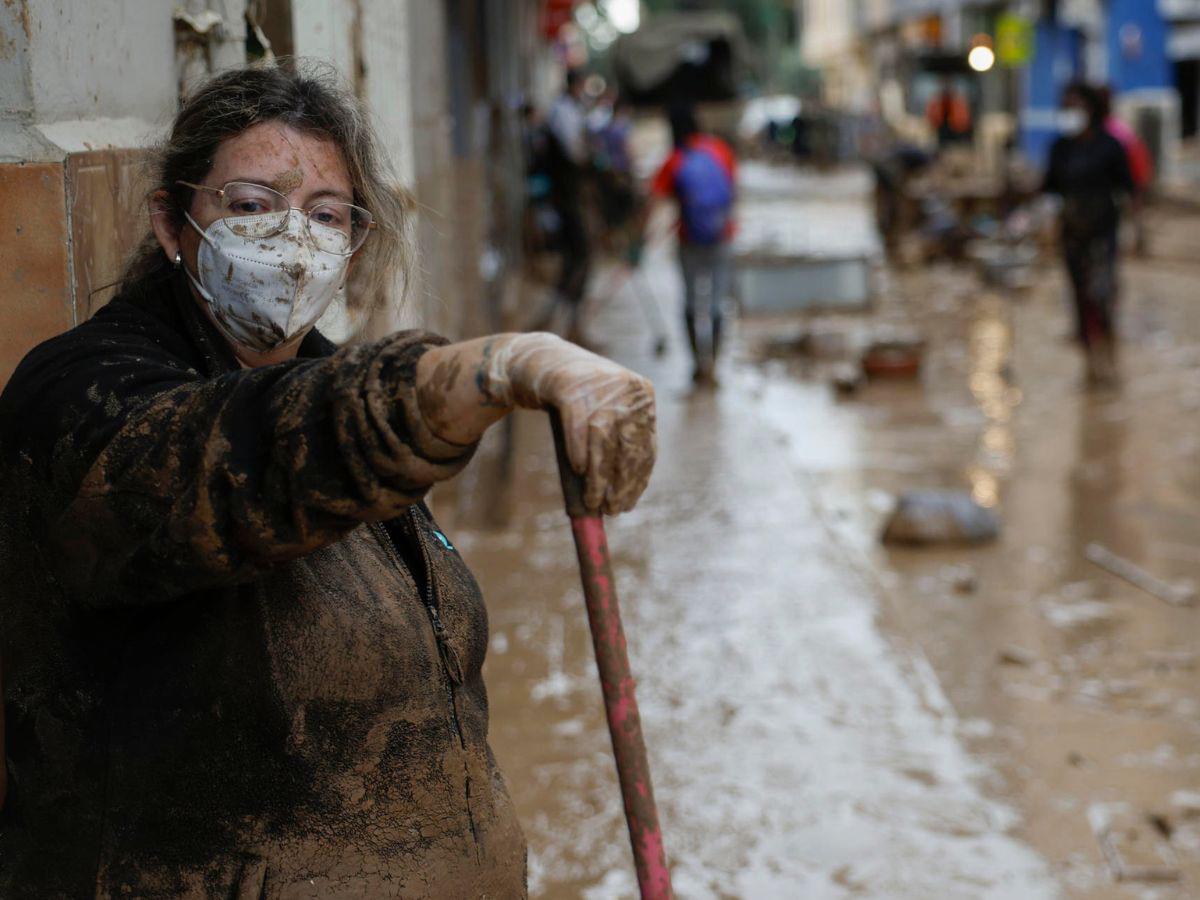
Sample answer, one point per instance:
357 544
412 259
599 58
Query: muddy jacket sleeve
149 480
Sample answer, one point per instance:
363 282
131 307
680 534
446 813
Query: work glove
607 411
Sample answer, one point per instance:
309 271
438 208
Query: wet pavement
830 718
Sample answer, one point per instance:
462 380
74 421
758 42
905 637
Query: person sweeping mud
240 658
1089 169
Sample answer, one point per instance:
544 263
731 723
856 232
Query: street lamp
982 57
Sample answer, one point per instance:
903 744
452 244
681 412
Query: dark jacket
1089 171
239 658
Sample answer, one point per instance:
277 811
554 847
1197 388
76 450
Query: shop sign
1132 41
923 32
1014 40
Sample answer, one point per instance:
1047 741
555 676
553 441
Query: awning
709 45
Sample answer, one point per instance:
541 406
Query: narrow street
828 718
212 531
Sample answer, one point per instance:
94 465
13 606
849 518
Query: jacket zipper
429 597
439 633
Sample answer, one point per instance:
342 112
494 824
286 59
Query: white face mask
266 292
1072 122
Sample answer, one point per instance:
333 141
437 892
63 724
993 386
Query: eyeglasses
255 211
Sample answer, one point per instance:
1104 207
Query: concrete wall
323 29
84 88
101 60
834 31
391 53
828 30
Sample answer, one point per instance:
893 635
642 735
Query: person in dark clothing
240 657
566 125
1089 169
894 169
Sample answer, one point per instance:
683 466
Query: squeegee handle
616 682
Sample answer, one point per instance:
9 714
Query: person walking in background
611 132
1089 169
701 176
949 115
568 163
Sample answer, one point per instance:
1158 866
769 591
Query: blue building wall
1137 46
1136 37
1057 59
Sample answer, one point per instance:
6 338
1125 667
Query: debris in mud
825 344
923 518
1132 845
814 343
1161 824
1079 615
1004 265
1013 655
1100 692
1181 593
1186 804
897 357
848 379
964 579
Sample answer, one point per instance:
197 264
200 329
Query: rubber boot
1101 365
689 321
717 324
1110 373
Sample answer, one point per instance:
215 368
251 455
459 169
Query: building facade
891 52
86 89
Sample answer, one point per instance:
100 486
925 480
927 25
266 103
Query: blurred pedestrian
1090 170
1141 168
613 162
949 115
701 176
895 209
240 657
569 162
540 225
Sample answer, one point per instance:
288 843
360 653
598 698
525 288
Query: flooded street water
828 718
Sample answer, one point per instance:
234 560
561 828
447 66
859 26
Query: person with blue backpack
701 175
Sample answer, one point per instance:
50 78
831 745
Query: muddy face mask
264 292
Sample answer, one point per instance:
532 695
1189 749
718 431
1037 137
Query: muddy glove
607 411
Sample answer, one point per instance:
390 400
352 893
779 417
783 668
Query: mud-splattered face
303 167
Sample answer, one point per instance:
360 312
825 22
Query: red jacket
663 184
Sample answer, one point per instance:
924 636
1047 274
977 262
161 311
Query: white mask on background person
265 292
1072 122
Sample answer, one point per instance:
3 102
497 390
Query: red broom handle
616 681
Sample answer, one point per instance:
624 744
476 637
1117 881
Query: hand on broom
607 411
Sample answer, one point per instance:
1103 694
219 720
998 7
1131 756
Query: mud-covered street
830 718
